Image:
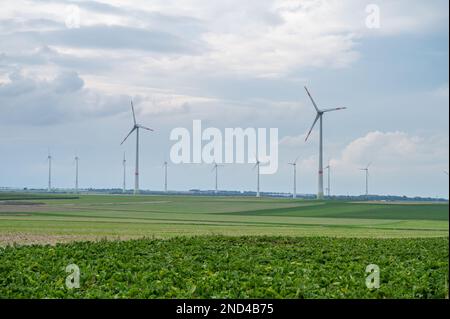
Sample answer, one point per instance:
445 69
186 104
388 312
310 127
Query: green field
229 267
125 217
221 247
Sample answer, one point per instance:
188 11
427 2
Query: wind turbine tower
366 170
294 165
257 166
165 176
124 164
76 173
216 170
328 168
136 128
319 117
49 158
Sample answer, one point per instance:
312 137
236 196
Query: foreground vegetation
228 267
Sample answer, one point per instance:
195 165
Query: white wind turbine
76 173
136 128
124 164
165 176
319 117
49 158
294 165
216 170
257 166
366 170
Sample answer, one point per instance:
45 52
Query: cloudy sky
68 70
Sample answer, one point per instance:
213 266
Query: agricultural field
62 218
220 247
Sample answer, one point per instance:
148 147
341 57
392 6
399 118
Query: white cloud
270 38
441 92
294 141
394 151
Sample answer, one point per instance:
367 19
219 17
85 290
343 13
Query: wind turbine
319 117
294 165
328 168
216 169
49 158
136 128
76 173
124 164
165 176
257 166
367 178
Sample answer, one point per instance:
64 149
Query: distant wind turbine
49 158
124 164
165 176
319 117
216 170
294 165
367 177
76 173
136 128
257 166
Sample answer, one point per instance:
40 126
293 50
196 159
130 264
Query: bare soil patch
27 239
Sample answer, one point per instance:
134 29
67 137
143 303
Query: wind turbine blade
134 115
312 100
132 130
296 160
334 109
312 127
369 165
146 128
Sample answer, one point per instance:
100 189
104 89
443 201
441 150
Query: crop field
229 267
49 220
220 247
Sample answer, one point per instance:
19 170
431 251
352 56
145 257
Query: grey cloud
68 82
46 55
26 101
6 25
176 23
18 85
113 37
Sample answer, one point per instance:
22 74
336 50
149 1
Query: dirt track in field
26 239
